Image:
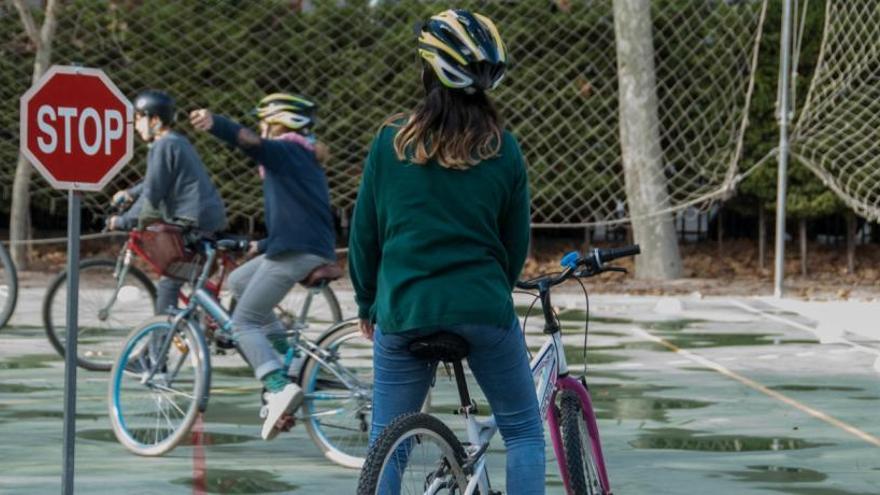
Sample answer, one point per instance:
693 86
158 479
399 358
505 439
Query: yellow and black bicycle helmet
292 111
464 49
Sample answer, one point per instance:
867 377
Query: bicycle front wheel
8 286
154 397
583 475
110 305
416 453
338 395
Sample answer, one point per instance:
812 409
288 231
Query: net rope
356 58
836 134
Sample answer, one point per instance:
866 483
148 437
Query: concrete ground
693 395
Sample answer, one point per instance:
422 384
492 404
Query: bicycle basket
162 245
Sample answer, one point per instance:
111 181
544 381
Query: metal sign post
77 131
782 178
73 231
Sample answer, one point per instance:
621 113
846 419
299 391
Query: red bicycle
115 294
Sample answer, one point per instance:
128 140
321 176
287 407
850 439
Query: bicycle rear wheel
339 391
417 452
8 286
309 310
583 475
109 307
153 399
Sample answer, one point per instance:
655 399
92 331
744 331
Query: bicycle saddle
321 275
441 346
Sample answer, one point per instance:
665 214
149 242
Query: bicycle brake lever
615 269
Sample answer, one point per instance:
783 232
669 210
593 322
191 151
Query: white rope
61 240
89 237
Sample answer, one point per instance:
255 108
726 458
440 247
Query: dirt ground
731 269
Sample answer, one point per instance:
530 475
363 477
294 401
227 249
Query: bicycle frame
204 298
123 262
550 373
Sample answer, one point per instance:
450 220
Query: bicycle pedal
286 423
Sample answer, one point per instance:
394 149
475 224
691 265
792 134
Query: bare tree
19 216
646 192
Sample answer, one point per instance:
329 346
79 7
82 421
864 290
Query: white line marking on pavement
799 325
852 430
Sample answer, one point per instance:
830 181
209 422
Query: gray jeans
167 293
259 285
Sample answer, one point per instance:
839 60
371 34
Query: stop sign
76 128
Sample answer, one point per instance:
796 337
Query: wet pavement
692 395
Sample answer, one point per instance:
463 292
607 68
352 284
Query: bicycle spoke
171 402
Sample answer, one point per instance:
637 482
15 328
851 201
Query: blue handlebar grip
570 260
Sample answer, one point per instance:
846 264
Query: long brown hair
457 129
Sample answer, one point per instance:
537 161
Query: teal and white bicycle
162 378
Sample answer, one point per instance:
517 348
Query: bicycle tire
352 454
190 341
395 433
288 313
10 281
51 321
579 461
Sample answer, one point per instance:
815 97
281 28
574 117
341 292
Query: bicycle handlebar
622 252
593 264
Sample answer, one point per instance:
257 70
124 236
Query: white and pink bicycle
423 454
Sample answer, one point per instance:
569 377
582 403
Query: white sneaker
277 405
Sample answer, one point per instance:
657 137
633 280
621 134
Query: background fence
358 60
837 134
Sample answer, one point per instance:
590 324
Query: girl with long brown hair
439 237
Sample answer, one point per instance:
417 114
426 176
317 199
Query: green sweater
432 246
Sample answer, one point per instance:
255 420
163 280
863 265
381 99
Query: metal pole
73 228
781 182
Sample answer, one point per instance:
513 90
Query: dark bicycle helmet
464 49
292 111
158 103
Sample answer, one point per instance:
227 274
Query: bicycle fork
119 273
579 388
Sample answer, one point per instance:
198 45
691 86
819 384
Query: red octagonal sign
76 128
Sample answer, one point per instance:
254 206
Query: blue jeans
499 361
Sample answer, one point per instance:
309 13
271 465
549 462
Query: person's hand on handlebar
115 222
253 249
201 119
122 198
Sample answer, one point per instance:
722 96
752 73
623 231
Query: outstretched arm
234 134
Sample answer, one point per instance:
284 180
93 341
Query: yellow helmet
464 49
292 111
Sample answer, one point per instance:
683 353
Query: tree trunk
762 238
851 225
19 217
802 227
640 143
